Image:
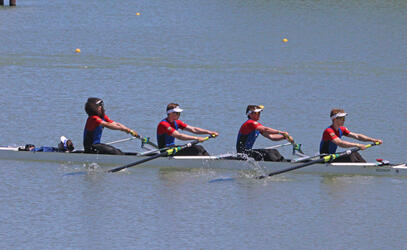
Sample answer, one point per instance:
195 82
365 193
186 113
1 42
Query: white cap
63 139
177 109
254 111
339 115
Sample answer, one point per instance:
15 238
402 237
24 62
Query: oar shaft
294 168
152 151
305 157
170 151
123 140
137 163
279 146
144 140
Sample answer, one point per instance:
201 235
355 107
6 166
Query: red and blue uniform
247 135
165 130
327 146
93 131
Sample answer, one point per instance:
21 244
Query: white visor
339 115
177 109
63 139
254 111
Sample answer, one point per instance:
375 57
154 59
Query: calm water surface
213 58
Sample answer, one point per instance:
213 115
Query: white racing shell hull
209 162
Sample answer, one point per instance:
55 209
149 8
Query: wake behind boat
207 162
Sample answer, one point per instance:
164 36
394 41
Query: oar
324 159
306 157
152 151
279 146
144 140
122 140
296 147
167 152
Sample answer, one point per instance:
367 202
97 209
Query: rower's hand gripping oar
324 159
167 152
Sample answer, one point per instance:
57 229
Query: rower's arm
362 137
200 131
266 130
346 144
274 134
115 126
185 137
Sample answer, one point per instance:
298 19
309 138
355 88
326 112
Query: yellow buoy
285 40
138 13
78 50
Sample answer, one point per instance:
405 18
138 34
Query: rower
331 138
251 129
97 120
65 145
167 131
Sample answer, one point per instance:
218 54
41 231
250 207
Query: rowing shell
209 162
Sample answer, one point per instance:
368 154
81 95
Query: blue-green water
213 58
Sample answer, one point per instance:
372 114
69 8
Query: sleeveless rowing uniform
165 139
93 131
165 130
327 146
247 135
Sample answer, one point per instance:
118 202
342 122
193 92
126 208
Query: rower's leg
195 150
269 154
356 157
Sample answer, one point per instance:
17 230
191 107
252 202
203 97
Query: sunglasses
100 103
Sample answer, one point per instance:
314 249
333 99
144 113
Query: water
213 58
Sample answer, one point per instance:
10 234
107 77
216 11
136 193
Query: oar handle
174 150
210 136
372 144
